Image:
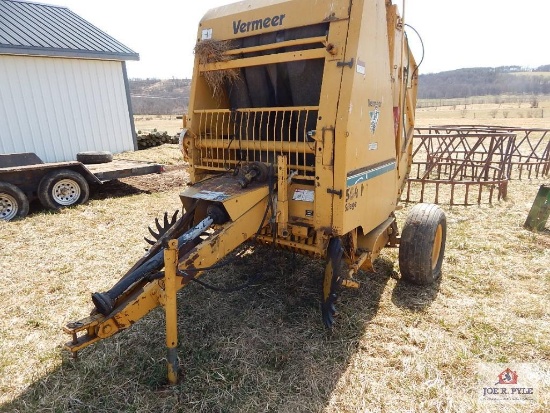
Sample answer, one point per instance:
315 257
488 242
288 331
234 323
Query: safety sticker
305 195
374 117
360 67
206 34
211 196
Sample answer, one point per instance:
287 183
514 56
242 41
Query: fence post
540 211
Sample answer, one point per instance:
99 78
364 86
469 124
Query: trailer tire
92 157
62 188
13 202
423 244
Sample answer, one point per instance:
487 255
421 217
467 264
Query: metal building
63 84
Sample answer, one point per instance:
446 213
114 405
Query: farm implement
298 135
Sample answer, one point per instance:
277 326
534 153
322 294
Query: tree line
484 81
171 96
159 97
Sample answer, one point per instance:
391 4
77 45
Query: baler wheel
332 280
423 244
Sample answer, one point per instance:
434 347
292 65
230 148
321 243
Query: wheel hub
8 207
66 192
436 249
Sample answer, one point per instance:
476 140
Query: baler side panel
365 164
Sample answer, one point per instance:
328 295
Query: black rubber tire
62 188
422 244
13 202
92 157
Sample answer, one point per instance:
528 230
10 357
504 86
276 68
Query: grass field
395 348
526 112
161 123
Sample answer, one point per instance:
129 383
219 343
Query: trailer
24 177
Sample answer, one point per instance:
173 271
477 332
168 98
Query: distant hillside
171 96
159 97
483 81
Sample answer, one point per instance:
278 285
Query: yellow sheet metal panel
227 191
248 18
325 134
301 204
365 130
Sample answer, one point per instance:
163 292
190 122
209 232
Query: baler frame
305 144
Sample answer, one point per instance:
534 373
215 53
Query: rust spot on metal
331 17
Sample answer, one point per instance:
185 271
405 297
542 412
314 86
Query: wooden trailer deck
123 169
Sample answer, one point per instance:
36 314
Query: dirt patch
175 177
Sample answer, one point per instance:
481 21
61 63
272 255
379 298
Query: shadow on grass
415 297
111 189
114 189
263 348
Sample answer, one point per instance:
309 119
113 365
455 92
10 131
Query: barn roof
45 30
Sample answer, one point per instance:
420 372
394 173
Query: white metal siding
57 107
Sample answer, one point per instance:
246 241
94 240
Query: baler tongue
200 238
124 292
105 302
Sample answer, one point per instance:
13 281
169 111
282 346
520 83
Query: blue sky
456 34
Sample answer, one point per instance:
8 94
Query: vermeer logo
253 25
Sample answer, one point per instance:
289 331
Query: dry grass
396 347
543 74
167 154
148 123
518 114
